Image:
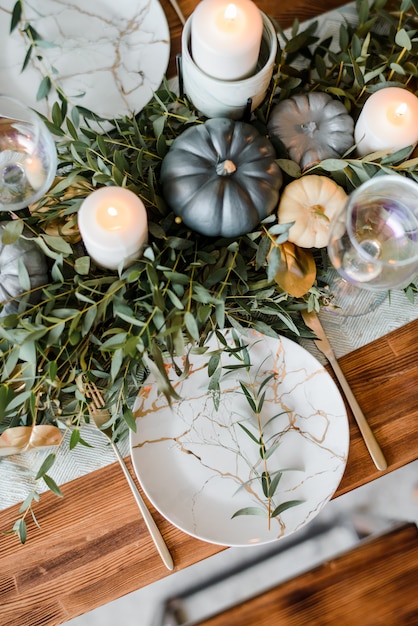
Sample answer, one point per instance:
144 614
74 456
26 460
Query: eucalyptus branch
255 426
267 446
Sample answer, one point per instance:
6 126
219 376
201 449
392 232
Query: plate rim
345 439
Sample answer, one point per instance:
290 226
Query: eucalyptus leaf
16 15
44 88
11 231
75 438
52 485
402 39
262 252
273 262
285 506
30 498
46 465
213 363
27 58
250 510
20 529
82 265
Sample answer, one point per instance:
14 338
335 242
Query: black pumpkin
221 178
35 262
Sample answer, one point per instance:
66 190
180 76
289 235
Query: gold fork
100 415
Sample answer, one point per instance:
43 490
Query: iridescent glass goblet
28 157
373 241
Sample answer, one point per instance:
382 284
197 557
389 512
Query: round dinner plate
199 462
106 56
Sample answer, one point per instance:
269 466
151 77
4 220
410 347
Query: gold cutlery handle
368 436
151 525
179 12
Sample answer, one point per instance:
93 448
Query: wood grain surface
93 547
371 585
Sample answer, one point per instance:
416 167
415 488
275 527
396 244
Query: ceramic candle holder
222 98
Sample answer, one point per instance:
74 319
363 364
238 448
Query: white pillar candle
226 38
113 225
388 121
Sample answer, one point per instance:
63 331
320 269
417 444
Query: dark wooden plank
371 585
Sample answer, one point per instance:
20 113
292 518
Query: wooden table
93 546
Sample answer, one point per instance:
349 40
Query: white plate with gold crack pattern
200 463
107 56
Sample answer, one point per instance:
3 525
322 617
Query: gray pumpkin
35 262
221 178
312 127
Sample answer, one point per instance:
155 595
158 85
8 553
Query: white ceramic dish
191 458
107 56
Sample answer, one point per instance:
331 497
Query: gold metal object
100 415
312 321
178 11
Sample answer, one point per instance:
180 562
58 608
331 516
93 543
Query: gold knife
312 321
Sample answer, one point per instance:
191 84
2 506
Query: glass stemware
373 241
28 158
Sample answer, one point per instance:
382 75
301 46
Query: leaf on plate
250 510
44 88
16 15
284 506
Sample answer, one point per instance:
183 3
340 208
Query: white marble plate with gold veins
107 56
198 466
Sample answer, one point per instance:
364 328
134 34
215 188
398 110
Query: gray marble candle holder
213 97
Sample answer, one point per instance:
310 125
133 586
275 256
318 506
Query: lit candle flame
401 109
398 114
110 222
113 218
230 12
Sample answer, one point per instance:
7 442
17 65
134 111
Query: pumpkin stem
226 168
309 128
319 211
